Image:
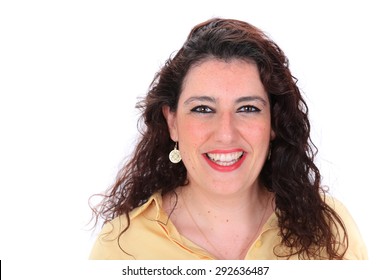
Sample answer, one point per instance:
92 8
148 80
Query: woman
225 165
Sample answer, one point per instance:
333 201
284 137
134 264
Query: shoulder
356 245
117 239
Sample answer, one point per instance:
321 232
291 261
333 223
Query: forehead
219 78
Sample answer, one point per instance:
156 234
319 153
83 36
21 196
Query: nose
225 131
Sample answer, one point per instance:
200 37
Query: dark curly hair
308 226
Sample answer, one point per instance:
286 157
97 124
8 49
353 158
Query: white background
71 73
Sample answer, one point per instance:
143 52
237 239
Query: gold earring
174 155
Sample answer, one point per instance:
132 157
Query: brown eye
202 109
248 109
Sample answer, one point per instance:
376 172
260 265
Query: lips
225 161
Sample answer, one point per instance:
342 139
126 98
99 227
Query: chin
228 188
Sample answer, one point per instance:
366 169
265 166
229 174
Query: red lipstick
225 160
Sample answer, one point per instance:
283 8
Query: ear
273 135
171 121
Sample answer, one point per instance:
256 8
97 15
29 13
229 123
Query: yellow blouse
152 236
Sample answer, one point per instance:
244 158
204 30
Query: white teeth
225 159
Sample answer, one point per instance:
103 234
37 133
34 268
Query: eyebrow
210 99
204 98
251 99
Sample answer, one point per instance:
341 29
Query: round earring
174 155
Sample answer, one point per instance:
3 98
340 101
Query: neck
220 207
226 226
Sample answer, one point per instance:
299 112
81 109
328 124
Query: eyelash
202 109
248 109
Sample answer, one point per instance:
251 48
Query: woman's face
222 125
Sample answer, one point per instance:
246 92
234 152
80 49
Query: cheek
257 131
192 133
191 137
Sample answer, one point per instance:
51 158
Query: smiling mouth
225 159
